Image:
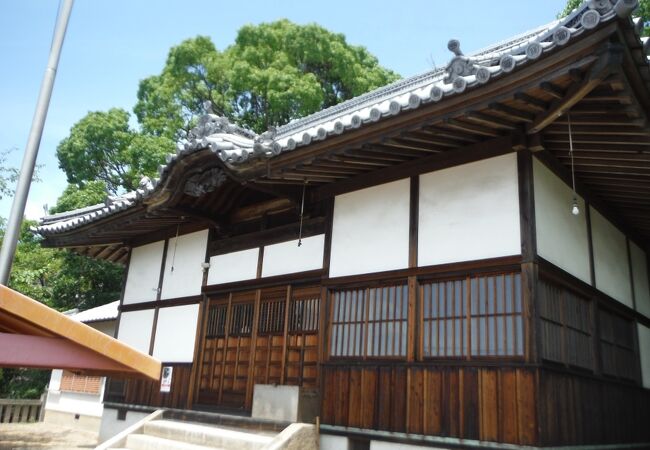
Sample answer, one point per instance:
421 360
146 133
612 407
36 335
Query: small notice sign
166 379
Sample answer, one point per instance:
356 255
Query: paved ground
44 436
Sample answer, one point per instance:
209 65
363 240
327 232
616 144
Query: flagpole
31 149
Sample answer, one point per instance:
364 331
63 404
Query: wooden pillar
253 347
529 269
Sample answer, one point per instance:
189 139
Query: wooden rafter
606 64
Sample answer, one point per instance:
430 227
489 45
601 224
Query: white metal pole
33 142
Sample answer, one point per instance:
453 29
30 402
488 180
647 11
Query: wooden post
251 358
412 322
285 340
529 269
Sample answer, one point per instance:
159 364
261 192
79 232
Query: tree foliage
103 147
273 73
77 196
62 280
643 11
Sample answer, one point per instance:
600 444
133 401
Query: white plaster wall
176 333
111 425
562 238
76 403
331 442
287 257
383 445
106 326
144 273
640 277
135 329
186 258
371 230
610 259
235 266
55 380
644 352
469 212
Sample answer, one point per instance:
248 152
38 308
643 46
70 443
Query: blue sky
112 44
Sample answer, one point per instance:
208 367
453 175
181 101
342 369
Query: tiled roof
98 314
236 145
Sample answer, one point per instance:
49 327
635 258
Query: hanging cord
574 208
302 212
175 245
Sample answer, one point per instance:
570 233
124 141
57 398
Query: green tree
282 71
643 11
103 147
77 196
273 73
60 279
169 103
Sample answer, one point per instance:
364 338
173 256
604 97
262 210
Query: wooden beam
471 128
257 210
552 90
439 161
532 102
603 67
512 113
491 120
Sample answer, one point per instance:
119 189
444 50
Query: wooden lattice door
267 336
226 351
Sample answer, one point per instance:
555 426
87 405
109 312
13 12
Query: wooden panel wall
577 410
493 404
146 392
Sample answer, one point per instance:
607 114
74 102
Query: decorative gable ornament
204 182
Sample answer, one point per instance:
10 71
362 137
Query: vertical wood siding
146 392
493 404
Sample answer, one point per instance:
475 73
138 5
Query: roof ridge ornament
462 66
264 143
210 124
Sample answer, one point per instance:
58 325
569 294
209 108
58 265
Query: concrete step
146 442
211 436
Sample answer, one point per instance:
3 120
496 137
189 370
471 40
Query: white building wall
610 259
235 266
75 403
644 352
371 230
144 273
176 333
640 277
469 212
562 238
135 329
63 407
185 257
287 257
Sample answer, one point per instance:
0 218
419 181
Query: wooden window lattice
617 346
566 332
370 322
473 317
241 322
303 315
271 319
216 326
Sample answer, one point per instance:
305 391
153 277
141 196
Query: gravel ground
28 436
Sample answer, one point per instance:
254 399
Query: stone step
146 442
211 436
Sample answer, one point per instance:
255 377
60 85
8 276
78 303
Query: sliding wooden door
265 336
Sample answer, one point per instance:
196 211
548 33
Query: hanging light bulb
574 208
